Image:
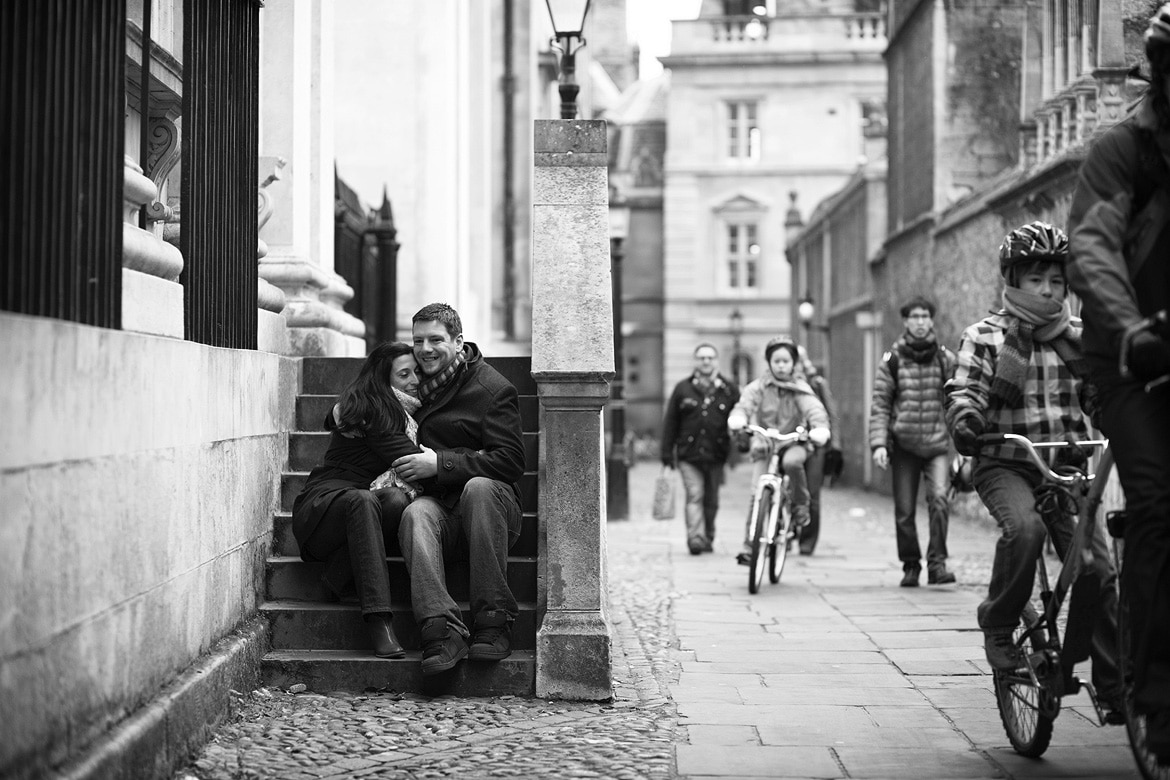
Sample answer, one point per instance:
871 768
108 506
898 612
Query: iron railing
62 73
220 129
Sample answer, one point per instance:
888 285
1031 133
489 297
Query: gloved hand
1149 356
819 436
743 440
966 433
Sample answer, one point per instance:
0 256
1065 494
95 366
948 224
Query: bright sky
649 26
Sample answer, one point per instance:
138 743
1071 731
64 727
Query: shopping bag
664 496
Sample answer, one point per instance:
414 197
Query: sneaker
491 640
939 576
442 646
1002 653
744 558
910 576
800 517
707 546
695 546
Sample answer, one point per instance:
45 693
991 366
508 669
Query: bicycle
1029 696
771 529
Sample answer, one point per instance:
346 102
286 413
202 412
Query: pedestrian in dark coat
695 439
469 424
336 518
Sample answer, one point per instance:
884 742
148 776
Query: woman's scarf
1036 318
390 478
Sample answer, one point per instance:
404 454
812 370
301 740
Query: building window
743 131
743 256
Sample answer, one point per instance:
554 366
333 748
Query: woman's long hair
368 405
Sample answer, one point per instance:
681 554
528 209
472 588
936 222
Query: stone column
294 86
573 363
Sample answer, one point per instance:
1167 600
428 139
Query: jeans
908 468
1138 426
482 525
701 483
1007 492
792 466
349 539
814 471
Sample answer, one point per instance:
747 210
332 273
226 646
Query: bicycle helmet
777 343
1035 242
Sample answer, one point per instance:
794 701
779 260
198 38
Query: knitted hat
1035 242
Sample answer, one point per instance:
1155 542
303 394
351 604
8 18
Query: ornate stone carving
161 158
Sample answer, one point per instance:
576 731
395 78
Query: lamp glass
736 321
568 16
806 310
619 221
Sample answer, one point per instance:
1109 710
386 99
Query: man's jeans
908 469
701 483
1138 426
1007 492
480 527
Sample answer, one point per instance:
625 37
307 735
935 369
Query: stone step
291 579
285 544
298 625
341 670
306 450
312 410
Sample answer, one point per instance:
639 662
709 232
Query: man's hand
968 428
415 467
881 458
1149 356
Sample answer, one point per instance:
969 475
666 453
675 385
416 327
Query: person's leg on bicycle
792 464
814 471
906 468
759 454
1142 454
937 471
694 486
1006 490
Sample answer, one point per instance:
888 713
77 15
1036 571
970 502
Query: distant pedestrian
822 461
695 439
907 429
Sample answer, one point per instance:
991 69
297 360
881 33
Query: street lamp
806 312
568 21
736 332
617 469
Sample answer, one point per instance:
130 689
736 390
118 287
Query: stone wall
140 475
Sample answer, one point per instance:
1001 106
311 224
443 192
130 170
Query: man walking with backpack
907 429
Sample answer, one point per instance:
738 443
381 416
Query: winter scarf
920 350
390 478
707 385
1036 319
429 388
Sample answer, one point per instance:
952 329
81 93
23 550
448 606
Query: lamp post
736 332
617 469
806 312
568 21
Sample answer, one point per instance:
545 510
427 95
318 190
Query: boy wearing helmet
1021 371
781 399
1119 226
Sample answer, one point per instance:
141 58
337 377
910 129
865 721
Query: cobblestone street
386 734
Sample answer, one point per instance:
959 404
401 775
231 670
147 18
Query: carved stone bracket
161 158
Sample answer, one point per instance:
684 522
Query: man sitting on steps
470 423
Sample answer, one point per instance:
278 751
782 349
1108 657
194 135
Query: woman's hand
819 436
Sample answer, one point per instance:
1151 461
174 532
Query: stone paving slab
756 761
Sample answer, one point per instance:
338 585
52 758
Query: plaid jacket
1052 405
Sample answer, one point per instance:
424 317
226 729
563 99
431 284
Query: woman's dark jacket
349 463
694 428
473 424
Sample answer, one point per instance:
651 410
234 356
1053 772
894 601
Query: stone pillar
295 77
572 363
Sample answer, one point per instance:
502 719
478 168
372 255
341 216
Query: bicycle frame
764 540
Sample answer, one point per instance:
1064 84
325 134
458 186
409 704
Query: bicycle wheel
1027 711
760 537
778 549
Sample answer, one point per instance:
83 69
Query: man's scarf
430 387
707 385
920 350
1036 318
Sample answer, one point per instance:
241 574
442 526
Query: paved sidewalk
836 672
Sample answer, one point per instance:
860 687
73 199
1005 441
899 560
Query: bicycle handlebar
800 434
1031 447
1160 321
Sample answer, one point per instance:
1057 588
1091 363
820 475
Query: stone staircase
322 644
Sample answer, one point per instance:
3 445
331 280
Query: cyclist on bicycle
1120 233
1021 371
783 400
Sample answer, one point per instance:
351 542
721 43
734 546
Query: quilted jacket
908 409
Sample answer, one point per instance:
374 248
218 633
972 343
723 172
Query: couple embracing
426 446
